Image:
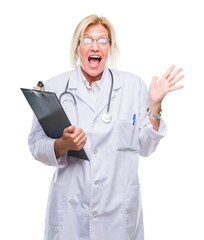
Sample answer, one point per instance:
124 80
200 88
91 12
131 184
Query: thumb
70 129
154 80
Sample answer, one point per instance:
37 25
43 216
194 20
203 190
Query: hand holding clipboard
50 115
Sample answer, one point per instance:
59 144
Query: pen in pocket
133 118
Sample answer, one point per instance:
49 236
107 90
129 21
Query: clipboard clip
39 86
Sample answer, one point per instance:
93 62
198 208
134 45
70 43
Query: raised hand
159 89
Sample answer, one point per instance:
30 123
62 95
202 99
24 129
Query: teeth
94 57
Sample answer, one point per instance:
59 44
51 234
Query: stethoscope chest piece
106 118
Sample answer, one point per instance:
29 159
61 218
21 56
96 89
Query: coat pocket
131 206
127 135
57 204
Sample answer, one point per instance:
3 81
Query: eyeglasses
102 42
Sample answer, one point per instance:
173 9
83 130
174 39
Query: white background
152 35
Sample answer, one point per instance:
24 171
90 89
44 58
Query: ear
77 51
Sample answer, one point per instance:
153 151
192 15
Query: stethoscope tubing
66 92
107 115
111 90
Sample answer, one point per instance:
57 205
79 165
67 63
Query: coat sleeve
148 137
42 147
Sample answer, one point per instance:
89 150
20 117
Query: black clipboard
50 115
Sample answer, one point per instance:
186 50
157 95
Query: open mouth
94 60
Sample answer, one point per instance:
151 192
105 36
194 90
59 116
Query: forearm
59 148
154 109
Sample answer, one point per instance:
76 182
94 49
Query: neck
90 78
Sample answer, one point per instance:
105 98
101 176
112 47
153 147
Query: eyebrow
102 36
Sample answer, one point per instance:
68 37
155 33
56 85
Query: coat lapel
81 90
105 91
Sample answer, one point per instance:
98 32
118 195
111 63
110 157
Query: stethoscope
106 117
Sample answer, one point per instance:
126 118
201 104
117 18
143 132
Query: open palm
159 89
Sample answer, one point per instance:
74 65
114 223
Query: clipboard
51 116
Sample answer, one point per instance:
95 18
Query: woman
100 199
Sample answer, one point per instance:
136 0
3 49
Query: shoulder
55 82
129 79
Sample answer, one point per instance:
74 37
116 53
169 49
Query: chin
93 72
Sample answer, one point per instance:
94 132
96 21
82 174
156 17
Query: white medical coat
98 199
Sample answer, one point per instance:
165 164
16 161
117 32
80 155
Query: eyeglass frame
93 39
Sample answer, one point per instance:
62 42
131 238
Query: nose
94 45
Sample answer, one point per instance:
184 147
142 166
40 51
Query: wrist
155 107
59 147
154 110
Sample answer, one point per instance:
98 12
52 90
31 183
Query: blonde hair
79 32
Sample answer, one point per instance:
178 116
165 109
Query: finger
81 143
173 75
173 82
78 138
77 132
72 135
69 129
175 88
169 71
